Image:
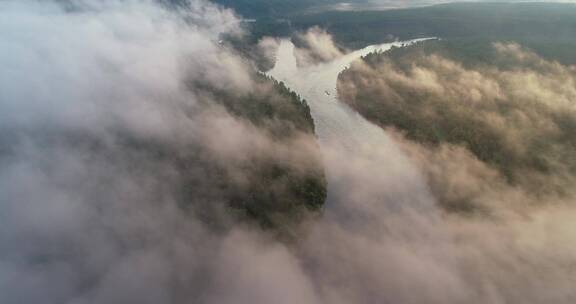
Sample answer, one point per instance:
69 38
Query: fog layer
94 95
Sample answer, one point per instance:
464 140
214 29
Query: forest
546 28
500 103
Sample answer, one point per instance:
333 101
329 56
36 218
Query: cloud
315 46
266 51
514 119
493 141
98 108
112 181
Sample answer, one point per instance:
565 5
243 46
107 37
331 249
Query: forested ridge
510 109
547 28
277 191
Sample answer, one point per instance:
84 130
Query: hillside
502 113
547 28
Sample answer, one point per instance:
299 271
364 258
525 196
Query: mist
99 112
492 139
314 46
95 94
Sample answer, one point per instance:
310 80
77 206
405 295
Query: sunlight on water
375 161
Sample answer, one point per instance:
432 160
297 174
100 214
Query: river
364 166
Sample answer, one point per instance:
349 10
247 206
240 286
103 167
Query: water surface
364 165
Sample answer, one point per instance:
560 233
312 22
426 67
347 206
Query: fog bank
99 101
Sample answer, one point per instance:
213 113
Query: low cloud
92 99
315 46
494 143
116 165
508 126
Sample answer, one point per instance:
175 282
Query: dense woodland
546 28
508 107
261 189
277 192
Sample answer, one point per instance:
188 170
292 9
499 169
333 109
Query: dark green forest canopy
270 8
262 189
278 192
548 28
271 106
450 21
509 108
